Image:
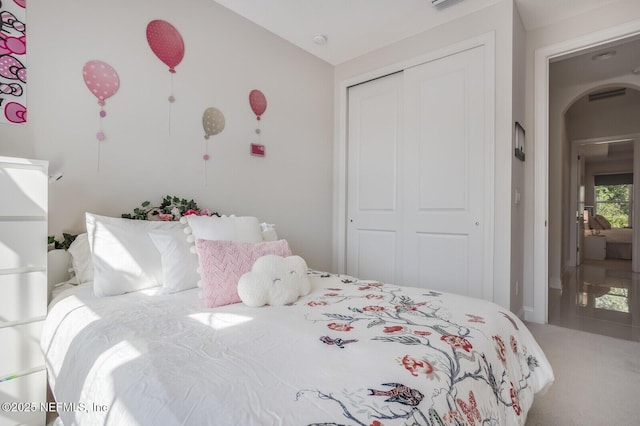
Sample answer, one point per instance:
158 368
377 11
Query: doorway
602 198
547 203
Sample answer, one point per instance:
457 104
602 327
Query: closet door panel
444 173
374 184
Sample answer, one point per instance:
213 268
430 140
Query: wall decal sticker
167 44
212 123
258 103
13 71
103 82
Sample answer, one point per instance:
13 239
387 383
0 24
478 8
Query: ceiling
355 27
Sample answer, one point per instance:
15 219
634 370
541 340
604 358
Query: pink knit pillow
222 263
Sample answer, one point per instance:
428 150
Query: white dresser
23 289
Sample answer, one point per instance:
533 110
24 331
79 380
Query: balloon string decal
212 123
171 99
206 157
100 135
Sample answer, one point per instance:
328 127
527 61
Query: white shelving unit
23 288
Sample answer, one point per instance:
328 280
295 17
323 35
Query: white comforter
351 352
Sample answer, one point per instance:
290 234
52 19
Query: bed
618 242
347 351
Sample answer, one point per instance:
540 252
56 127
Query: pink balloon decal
103 82
166 42
258 103
101 79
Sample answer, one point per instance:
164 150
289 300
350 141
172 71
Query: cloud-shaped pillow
274 280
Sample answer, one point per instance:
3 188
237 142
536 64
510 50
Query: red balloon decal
258 103
166 42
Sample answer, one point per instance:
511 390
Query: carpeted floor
597 379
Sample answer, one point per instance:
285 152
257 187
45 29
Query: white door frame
539 311
340 146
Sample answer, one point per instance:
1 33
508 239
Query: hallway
601 297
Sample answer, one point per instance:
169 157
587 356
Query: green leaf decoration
170 205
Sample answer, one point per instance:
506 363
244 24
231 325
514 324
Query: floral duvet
351 352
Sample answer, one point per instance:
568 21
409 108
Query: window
613 195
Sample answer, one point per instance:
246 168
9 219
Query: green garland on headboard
171 208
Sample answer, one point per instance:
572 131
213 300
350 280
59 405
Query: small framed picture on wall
519 141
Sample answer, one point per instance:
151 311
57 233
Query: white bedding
351 352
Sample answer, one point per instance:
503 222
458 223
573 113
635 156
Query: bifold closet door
374 180
416 176
444 174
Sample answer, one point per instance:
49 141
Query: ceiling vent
607 94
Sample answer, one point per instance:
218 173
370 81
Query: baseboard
530 315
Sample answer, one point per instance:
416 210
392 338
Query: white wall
499 19
613 14
225 58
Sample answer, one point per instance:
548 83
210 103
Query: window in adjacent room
613 195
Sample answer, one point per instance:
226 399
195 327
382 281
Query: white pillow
81 259
244 229
123 254
179 265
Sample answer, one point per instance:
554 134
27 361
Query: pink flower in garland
191 212
165 216
205 212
